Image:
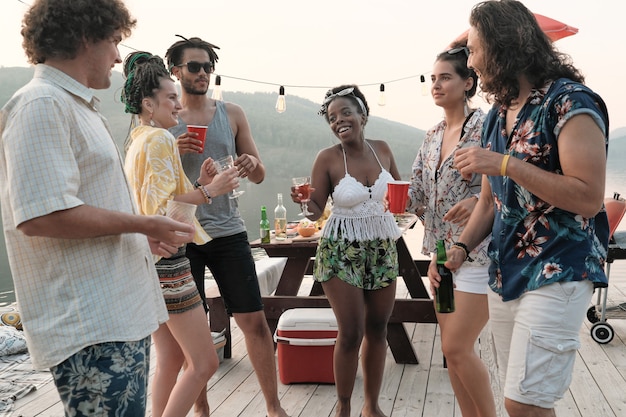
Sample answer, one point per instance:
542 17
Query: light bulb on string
281 105
424 86
217 90
382 100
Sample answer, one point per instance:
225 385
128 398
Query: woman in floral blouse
447 199
156 176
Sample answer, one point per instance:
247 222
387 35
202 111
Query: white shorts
472 279
536 337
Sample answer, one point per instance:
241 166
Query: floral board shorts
370 264
105 380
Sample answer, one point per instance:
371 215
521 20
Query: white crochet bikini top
358 212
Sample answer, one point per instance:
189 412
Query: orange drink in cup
302 185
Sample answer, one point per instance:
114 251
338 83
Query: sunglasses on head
454 51
194 67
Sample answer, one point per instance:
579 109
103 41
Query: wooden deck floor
598 388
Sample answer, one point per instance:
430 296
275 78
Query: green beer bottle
444 297
264 226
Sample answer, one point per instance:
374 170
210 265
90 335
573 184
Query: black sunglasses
459 49
194 67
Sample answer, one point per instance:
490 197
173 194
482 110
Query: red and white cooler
306 341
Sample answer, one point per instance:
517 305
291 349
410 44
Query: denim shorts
536 337
230 260
107 379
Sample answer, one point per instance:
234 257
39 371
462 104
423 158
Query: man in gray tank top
228 255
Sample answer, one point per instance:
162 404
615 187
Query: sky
311 46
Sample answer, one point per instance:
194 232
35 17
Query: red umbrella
553 28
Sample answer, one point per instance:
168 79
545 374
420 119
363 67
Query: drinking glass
223 164
303 186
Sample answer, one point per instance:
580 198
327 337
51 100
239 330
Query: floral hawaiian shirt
533 243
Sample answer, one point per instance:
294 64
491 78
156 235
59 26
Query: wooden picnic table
300 253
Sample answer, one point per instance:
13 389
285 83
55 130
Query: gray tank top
220 218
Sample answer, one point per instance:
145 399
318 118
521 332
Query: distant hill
287 142
616 159
620 132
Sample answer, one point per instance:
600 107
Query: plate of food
306 228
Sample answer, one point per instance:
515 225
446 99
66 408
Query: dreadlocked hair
174 54
143 72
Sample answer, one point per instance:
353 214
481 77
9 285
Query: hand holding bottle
444 292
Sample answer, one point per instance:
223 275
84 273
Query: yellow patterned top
156 174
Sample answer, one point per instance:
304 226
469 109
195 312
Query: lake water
265 194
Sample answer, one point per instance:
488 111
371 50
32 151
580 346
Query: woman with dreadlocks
156 175
356 258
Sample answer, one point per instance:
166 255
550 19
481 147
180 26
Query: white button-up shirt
57 153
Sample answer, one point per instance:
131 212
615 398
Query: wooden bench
268 273
218 318
409 310
405 310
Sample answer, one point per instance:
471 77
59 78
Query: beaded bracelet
464 248
205 193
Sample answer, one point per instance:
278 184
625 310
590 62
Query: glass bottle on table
444 295
280 219
264 226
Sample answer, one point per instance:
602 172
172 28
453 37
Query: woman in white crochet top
356 261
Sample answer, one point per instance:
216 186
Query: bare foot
201 406
279 413
367 412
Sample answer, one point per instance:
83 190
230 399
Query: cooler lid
307 319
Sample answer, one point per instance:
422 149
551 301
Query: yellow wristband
505 162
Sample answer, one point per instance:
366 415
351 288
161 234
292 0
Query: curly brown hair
56 28
513 45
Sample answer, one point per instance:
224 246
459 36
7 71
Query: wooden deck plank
412 391
422 390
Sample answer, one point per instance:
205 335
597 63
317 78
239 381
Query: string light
281 105
424 86
382 100
217 90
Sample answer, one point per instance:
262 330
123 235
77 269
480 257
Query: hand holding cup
397 196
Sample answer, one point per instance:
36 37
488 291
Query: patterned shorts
177 284
370 265
107 379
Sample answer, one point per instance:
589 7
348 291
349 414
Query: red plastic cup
397 194
201 131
